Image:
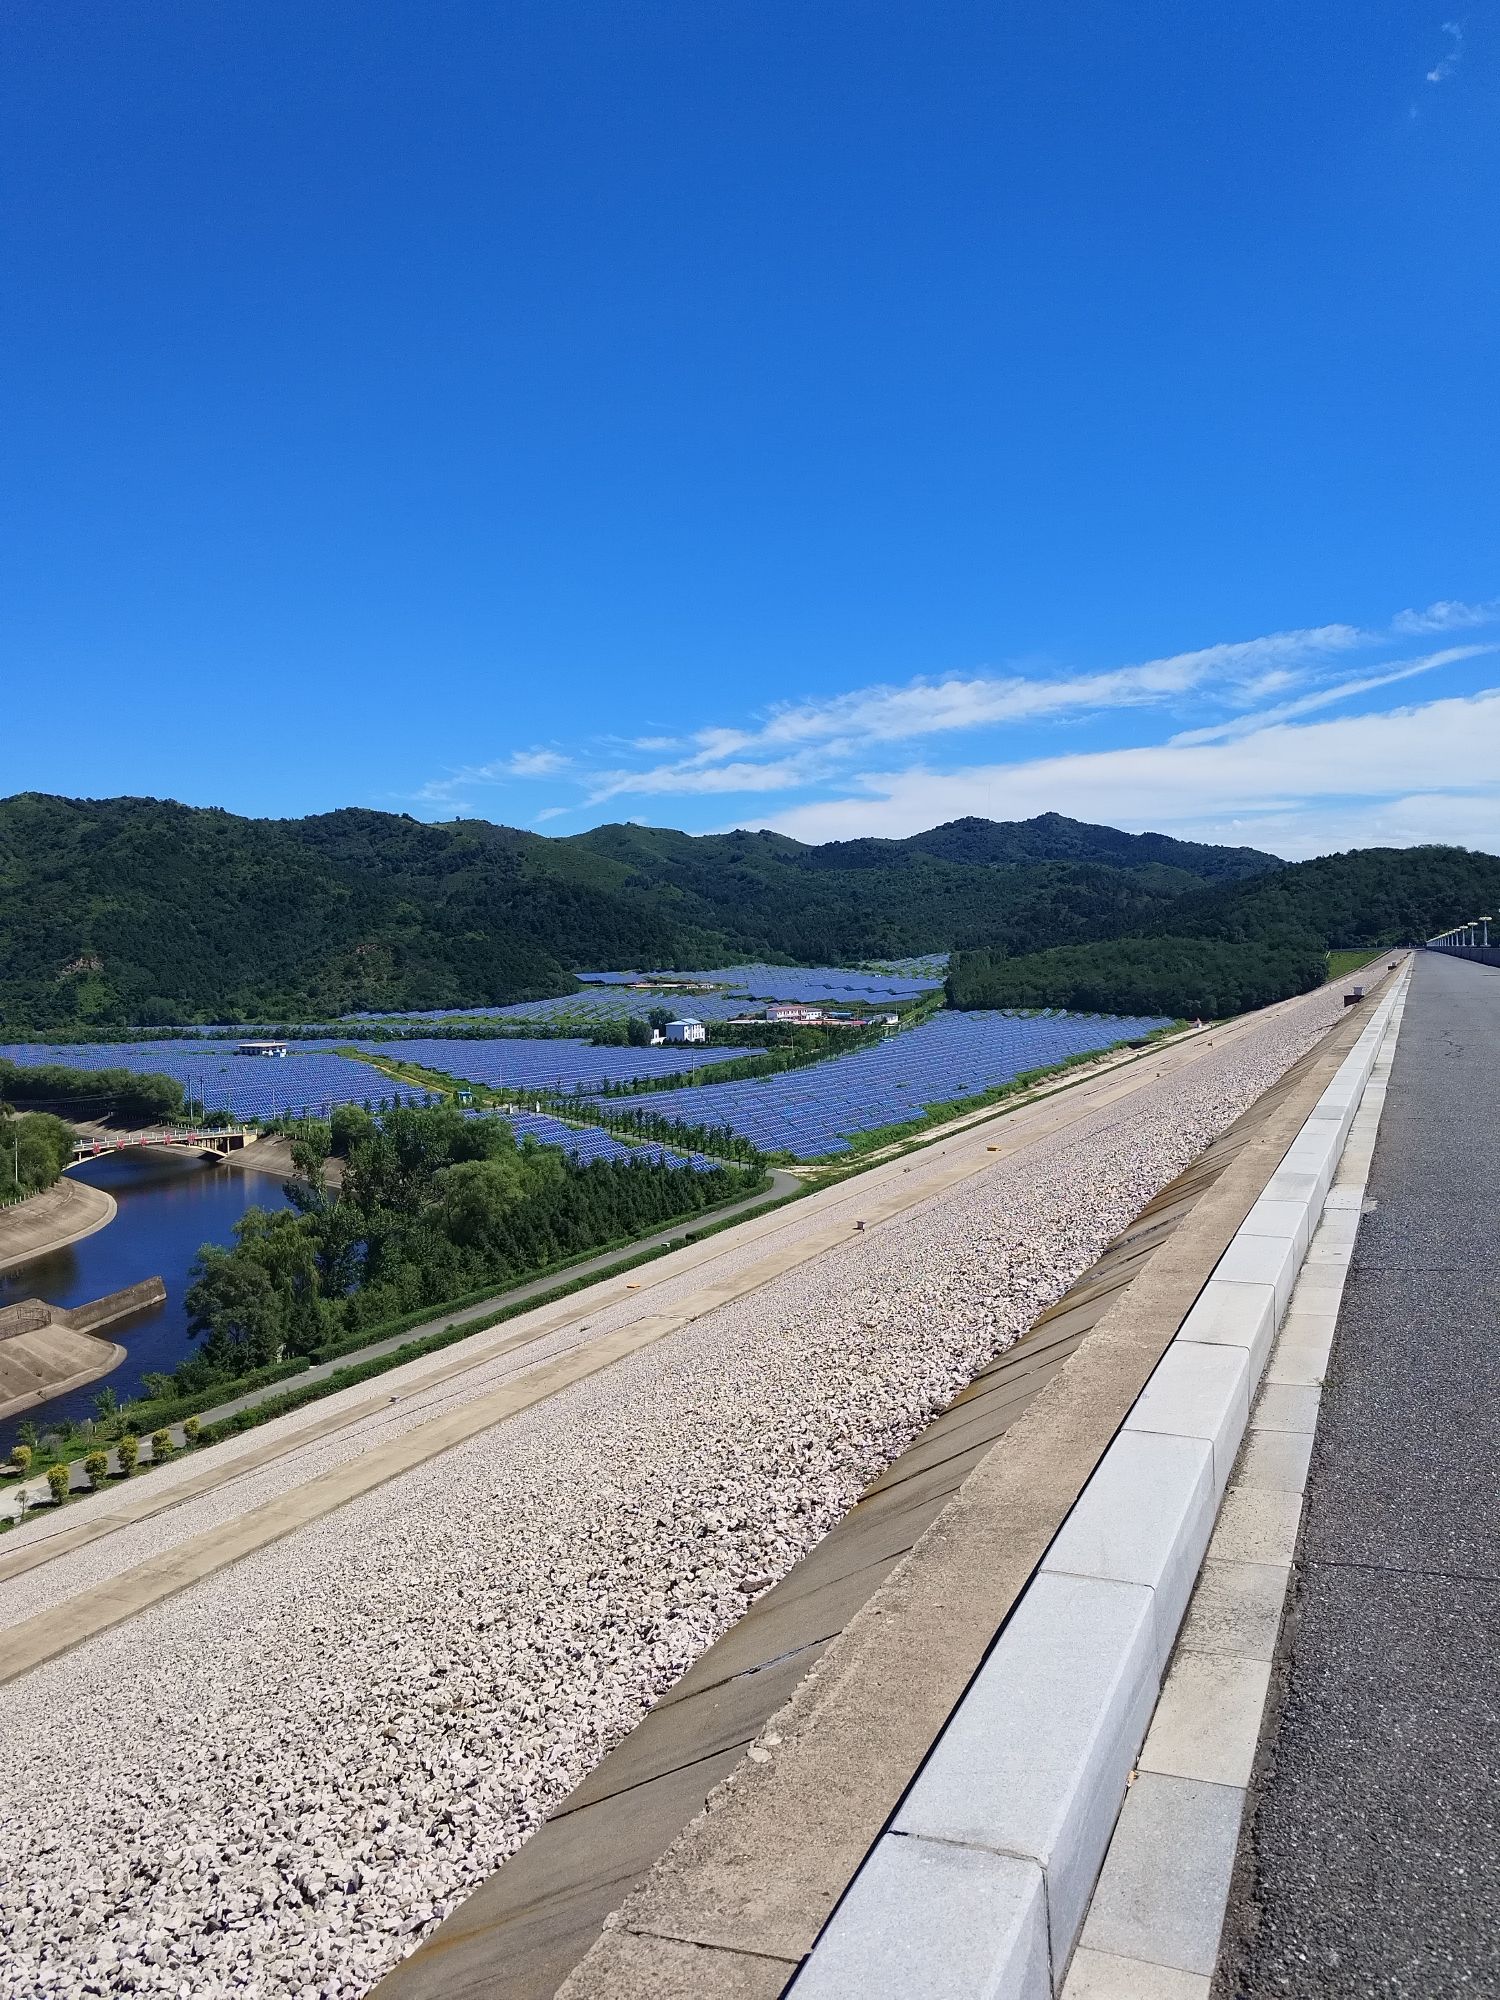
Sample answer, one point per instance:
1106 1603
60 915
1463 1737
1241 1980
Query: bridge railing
1482 954
161 1135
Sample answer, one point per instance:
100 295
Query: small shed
686 1031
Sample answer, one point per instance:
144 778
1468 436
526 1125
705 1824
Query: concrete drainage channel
985 1881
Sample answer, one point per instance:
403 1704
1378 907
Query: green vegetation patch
143 912
1342 963
1198 977
431 1206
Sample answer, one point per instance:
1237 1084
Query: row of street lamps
1463 935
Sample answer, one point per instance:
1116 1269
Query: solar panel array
595 1004
511 1063
586 1143
931 966
818 1109
311 1079
807 983
306 1083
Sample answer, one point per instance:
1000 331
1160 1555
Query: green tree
34 1149
348 1125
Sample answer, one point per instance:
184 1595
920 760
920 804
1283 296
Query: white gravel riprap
277 1781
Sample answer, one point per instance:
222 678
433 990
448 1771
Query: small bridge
204 1139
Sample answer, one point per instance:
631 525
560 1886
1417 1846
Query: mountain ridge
139 911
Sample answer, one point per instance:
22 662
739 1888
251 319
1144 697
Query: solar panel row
587 1143
807 1112
748 987
311 1074
817 1110
510 1063
306 1084
789 982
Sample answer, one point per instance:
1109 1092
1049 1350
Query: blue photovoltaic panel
513 1064
308 1082
818 1109
310 1076
586 1143
839 983
603 1003
748 988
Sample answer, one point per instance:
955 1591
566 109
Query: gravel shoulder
292 1770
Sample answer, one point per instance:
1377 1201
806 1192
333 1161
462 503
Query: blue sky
834 415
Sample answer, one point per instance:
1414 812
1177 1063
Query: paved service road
1369 1860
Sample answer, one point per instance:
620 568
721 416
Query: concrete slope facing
49 1221
301 1759
1036 1727
738 1901
114 1555
1155 1919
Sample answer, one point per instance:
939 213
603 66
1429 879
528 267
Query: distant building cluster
819 1017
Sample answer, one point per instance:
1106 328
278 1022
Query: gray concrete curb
982 1883
1157 1913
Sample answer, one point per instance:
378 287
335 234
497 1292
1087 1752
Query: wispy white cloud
1328 697
784 774
1279 775
883 714
836 746
1446 65
523 764
1446 616
534 764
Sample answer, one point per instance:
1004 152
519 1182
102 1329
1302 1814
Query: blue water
168 1208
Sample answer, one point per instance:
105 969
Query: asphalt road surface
1369 1861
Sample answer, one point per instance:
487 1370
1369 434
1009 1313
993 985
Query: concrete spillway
46 1350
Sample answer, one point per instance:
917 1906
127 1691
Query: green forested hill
139 911
1242 944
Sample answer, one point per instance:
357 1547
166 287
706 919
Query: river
169 1206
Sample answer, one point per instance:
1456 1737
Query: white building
686 1031
262 1048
